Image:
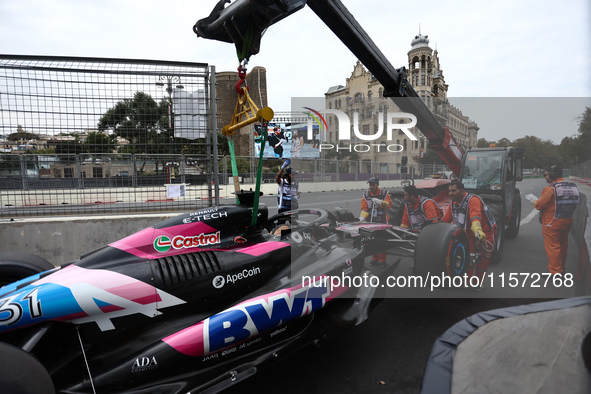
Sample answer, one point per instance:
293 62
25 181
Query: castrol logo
163 243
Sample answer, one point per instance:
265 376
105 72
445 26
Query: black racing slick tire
515 221
21 373
396 210
442 248
19 265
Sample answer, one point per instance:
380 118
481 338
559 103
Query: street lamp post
169 79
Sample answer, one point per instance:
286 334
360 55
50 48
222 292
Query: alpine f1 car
195 304
198 302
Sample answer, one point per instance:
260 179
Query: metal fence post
23 167
183 169
214 124
224 171
134 173
79 169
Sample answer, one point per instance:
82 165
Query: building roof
336 88
420 41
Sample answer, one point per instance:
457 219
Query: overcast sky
505 48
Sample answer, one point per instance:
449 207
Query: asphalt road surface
388 352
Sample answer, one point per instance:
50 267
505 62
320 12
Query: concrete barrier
63 239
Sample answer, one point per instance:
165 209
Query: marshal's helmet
374 179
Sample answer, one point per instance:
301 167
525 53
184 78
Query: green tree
583 139
483 143
21 134
538 153
100 143
503 142
567 151
142 122
137 119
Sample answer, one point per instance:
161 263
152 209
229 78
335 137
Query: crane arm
244 22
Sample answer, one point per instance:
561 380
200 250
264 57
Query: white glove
531 198
376 201
361 219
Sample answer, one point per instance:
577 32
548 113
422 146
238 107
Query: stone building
226 104
363 94
426 76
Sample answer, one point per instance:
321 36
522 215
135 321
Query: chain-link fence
87 135
582 170
94 131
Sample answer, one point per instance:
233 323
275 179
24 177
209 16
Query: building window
422 79
381 92
57 173
339 103
366 129
97 172
369 96
404 143
330 136
330 105
380 108
330 120
358 98
68 172
369 112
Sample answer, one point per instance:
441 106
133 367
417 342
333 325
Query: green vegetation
543 153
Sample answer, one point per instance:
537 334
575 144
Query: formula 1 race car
195 304
200 301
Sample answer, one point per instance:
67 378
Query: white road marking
529 217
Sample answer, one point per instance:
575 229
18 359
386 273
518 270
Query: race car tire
19 265
340 214
515 221
496 208
442 248
21 373
396 210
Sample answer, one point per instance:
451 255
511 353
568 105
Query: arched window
358 98
381 93
330 105
369 95
404 143
339 103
